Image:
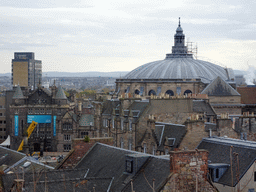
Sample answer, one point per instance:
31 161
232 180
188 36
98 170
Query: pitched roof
248 94
18 94
34 165
202 106
171 133
109 105
86 119
219 152
109 162
219 87
155 168
59 180
60 93
9 157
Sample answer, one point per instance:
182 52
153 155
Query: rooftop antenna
179 21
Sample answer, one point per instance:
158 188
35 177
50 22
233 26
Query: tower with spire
179 49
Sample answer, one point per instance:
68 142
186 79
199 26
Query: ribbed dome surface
180 68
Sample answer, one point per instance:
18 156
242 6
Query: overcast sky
117 35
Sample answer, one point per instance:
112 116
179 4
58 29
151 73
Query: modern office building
26 71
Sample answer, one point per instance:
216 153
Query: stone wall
194 86
188 171
194 135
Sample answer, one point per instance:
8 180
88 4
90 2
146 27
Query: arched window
169 92
151 92
187 92
137 92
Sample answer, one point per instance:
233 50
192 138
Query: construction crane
29 130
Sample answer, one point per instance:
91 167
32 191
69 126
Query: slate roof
60 93
174 132
202 106
219 152
156 168
109 162
86 119
248 94
35 165
209 126
59 180
18 94
9 157
219 87
108 106
47 91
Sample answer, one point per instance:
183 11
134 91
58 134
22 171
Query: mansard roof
18 94
219 87
219 152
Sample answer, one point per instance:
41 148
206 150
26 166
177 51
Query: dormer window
129 166
216 170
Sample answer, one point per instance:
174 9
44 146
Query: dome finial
179 21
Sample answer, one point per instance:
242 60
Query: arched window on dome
137 92
151 92
169 92
187 92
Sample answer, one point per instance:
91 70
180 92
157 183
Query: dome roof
180 68
181 65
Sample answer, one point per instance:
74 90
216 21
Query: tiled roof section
47 91
60 93
165 131
219 152
74 184
18 93
138 107
155 168
248 94
211 126
108 106
219 87
9 157
86 119
60 177
70 114
34 166
107 161
202 106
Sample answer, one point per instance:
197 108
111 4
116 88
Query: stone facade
178 87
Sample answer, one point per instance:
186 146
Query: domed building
179 73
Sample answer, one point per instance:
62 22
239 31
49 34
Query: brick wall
189 171
80 148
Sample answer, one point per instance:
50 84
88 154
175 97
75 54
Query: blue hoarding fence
16 125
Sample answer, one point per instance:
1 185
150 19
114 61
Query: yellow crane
29 130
